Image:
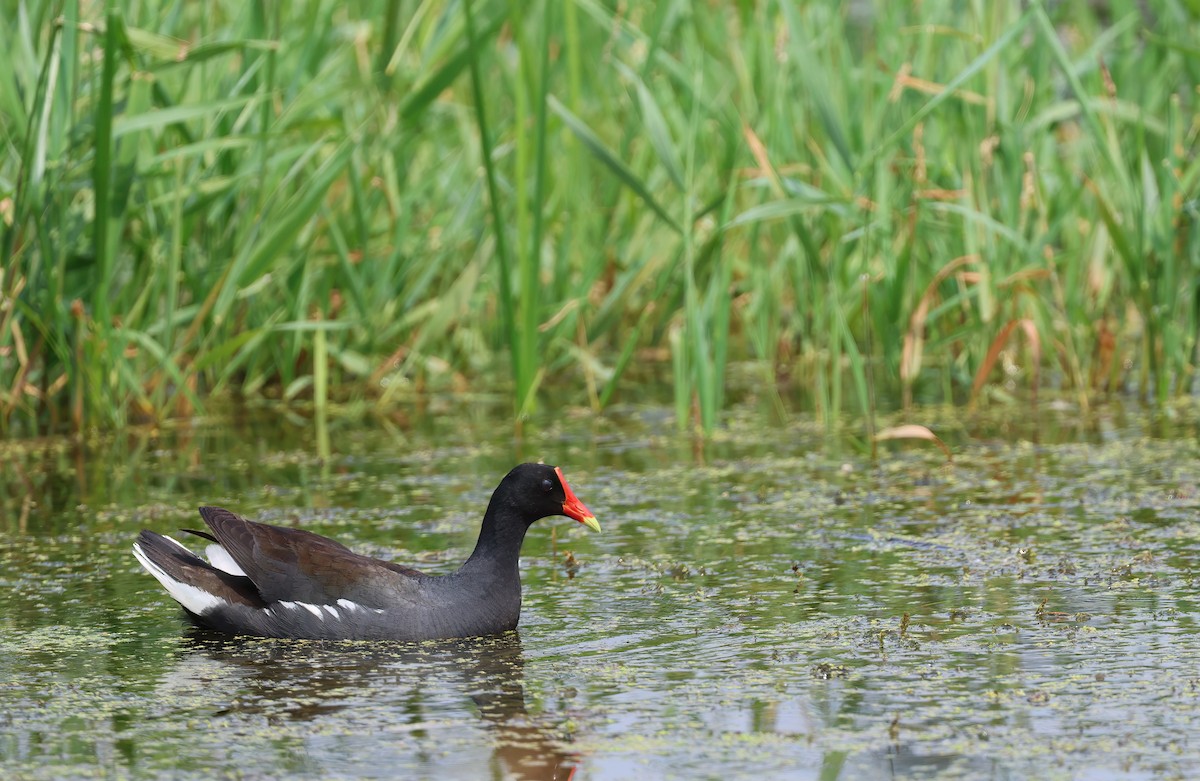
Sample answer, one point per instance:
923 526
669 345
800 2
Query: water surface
771 602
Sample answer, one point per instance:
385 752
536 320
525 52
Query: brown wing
299 566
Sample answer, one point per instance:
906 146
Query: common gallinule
273 581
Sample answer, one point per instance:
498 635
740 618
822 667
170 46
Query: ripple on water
1026 610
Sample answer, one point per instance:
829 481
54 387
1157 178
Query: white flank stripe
351 606
220 558
191 597
316 609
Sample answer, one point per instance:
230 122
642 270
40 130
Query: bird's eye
547 485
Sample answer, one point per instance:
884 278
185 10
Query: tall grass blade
612 162
507 304
975 66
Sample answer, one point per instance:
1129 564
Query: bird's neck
499 546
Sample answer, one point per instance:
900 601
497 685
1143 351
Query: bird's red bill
573 508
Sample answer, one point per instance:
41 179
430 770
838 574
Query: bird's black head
540 490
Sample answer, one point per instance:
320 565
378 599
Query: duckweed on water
787 606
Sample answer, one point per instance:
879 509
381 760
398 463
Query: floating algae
772 602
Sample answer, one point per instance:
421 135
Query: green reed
874 204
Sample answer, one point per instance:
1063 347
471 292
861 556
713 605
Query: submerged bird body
273 581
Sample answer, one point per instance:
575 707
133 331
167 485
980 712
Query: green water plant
866 205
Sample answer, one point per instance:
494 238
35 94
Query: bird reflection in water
309 680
